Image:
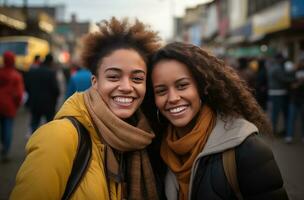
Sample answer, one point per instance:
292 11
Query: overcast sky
157 13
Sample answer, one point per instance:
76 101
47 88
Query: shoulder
57 133
258 172
17 74
75 77
50 155
254 149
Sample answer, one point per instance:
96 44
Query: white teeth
123 99
178 109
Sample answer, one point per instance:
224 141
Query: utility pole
25 3
4 3
172 7
25 10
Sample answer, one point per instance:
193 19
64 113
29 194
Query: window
19 48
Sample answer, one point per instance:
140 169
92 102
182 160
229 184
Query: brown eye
138 79
112 77
160 91
182 86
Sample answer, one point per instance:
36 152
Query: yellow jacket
49 160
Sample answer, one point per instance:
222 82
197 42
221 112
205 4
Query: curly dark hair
115 34
220 87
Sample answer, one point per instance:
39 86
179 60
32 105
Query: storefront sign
212 22
46 23
297 9
273 19
12 18
195 32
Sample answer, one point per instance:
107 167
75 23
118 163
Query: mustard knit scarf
180 153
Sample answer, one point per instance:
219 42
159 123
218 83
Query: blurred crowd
41 90
278 85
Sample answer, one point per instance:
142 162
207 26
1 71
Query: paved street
289 157
8 170
291 162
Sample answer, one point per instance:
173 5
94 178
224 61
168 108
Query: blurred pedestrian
11 92
205 109
247 71
261 85
37 61
296 102
278 85
79 81
43 91
119 166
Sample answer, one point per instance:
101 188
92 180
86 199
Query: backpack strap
81 160
229 164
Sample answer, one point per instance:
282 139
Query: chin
124 115
180 123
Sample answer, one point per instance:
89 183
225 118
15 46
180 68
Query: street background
249 35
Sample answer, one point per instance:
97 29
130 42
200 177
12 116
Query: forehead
123 59
170 69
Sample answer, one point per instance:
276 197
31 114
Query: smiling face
121 81
176 94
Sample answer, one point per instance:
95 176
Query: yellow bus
25 48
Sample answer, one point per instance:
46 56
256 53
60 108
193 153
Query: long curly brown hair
219 85
115 34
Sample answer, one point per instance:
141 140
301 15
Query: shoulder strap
82 158
229 164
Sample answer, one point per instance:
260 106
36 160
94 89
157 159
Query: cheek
196 100
102 86
141 89
159 102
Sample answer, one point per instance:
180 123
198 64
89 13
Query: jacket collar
227 133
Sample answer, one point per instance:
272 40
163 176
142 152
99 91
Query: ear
94 81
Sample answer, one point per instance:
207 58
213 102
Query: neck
131 120
181 132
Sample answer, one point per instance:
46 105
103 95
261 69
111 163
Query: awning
235 39
255 38
12 18
250 51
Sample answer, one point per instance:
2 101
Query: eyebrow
113 69
136 71
181 79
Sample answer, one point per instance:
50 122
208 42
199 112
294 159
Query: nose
173 96
125 85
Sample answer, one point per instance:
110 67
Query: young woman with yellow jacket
110 110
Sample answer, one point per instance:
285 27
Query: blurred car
25 48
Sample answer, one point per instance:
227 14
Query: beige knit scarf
123 137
